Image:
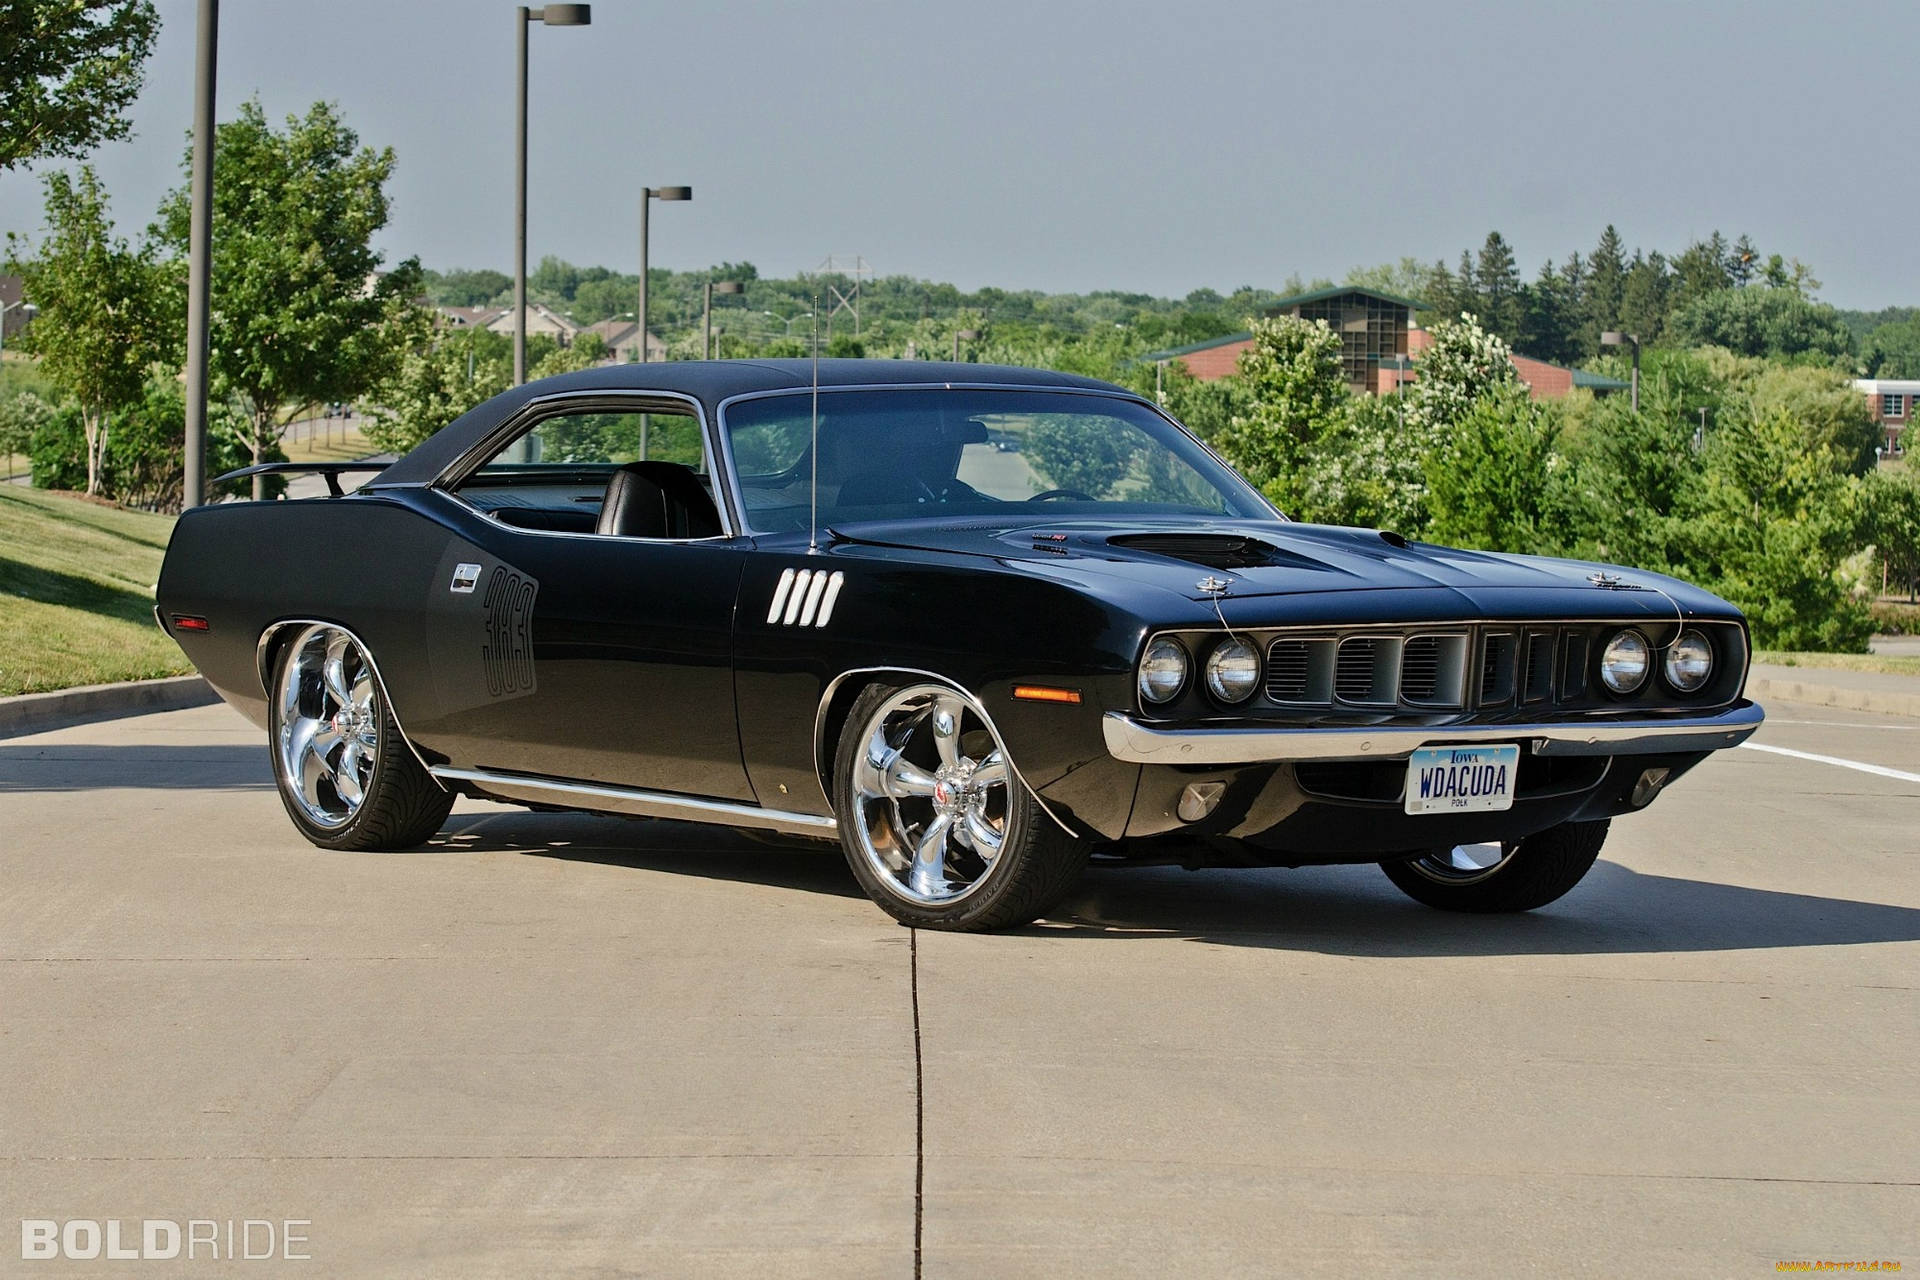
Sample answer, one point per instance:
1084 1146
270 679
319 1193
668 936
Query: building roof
1174 353
1596 381
1320 295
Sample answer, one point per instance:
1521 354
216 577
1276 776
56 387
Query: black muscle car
975 623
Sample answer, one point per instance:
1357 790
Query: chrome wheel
1464 863
931 790
327 726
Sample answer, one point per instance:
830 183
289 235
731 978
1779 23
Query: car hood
1252 559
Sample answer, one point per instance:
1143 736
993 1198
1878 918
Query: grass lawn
76 593
1890 664
351 447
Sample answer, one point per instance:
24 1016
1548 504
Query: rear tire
346 776
936 823
1528 873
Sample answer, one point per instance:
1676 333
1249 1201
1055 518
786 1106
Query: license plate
1461 779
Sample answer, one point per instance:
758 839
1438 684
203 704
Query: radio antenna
813 517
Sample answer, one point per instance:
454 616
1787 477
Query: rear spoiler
331 470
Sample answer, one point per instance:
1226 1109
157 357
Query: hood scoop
1213 550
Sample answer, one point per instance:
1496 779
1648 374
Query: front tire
1515 876
346 776
936 824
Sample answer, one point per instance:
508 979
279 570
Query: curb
33 712
1873 701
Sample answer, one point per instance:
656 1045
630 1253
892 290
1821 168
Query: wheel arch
836 702
274 638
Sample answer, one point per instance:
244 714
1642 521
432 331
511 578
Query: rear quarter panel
367 563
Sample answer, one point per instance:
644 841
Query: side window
602 439
614 472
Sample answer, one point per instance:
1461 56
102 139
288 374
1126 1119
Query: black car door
564 649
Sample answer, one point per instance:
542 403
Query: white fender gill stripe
833 593
780 596
813 598
798 597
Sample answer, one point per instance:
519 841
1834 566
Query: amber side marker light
187 622
1043 693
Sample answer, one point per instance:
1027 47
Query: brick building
1894 402
1376 332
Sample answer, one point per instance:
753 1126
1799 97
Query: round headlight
1689 662
1624 662
1233 670
1163 670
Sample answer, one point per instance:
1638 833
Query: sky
1072 146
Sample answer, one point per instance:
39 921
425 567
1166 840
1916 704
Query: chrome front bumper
1132 741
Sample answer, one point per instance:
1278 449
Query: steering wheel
1051 494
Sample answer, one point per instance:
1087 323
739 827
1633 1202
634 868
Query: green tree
1605 288
1496 279
1635 482
1297 393
22 413
1367 471
71 70
1493 487
1892 349
1891 500
143 463
587 350
1643 298
1702 268
1778 520
299 315
432 385
1463 363
103 314
463 288
1407 278
1777 321
1551 329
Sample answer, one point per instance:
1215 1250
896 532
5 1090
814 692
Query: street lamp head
564 15
728 286
671 193
968 335
1614 338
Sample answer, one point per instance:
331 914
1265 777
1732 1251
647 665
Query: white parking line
1849 724
1881 770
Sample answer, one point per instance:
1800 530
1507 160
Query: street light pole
193 487
706 313
648 194
554 15
970 335
1613 338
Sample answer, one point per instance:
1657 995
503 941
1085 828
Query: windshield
944 452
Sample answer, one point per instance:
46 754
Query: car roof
710 382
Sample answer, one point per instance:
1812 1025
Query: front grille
1420 669
1353 674
1497 658
1500 669
1287 671
1539 682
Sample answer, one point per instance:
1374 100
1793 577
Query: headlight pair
1628 659
1232 670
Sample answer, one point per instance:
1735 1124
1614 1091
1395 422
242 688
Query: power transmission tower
844 300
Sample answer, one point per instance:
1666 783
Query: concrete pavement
578 1046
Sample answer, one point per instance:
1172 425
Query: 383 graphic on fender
977 624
